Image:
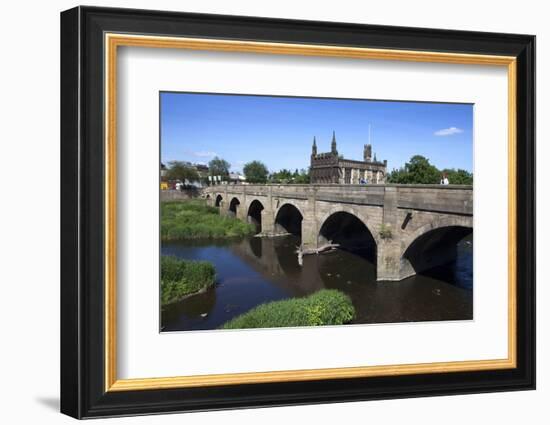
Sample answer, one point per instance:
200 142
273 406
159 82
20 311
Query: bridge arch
368 220
298 204
433 244
254 214
233 205
345 228
219 200
288 219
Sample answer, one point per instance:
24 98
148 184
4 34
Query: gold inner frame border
112 41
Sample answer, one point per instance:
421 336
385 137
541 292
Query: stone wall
175 195
395 215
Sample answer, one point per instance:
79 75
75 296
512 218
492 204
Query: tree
285 176
219 167
417 171
397 175
255 172
459 176
281 176
302 177
420 171
179 170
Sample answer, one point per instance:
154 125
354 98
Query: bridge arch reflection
276 258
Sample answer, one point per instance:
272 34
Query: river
254 270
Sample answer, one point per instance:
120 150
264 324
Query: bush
385 231
326 307
179 278
195 220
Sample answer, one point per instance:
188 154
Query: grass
193 219
325 307
179 278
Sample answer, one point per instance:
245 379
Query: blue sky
279 130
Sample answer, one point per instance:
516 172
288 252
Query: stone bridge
407 228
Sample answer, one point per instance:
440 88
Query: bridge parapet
452 199
444 199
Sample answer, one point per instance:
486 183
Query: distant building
237 178
329 167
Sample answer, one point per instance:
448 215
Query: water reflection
257 270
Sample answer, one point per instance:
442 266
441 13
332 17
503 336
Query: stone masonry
330 167
415 227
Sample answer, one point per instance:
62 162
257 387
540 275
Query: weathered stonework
415 227
174 195
330 167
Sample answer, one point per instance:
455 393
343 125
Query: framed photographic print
263 212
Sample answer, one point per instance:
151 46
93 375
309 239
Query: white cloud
448 131
203 154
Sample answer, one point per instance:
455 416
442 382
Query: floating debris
326 248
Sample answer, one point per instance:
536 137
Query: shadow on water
256 270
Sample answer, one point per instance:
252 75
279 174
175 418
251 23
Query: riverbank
325 307
182 278
193 219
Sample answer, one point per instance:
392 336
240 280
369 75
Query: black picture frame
83 392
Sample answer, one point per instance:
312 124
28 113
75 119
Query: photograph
285 211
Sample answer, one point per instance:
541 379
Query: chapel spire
333 144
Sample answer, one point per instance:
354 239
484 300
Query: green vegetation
385 231
179 170
219 167
325 307
285 176
255 172
179 278
458 176
193 219
419 171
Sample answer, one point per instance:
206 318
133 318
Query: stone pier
414 227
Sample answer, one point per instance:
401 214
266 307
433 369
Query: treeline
257 172
288 177
254 172
419 171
